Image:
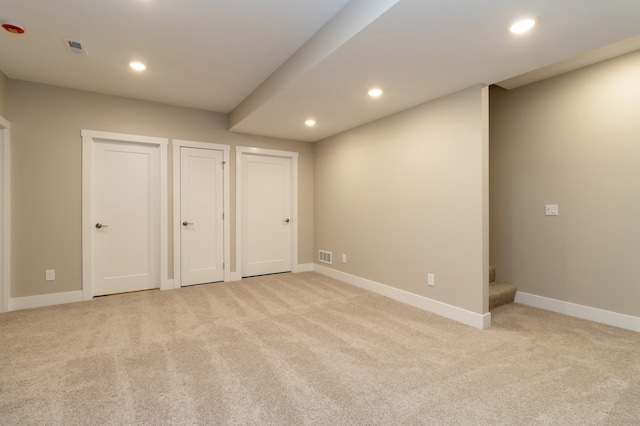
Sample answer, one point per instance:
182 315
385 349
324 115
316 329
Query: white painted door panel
201 208
126 202
266 213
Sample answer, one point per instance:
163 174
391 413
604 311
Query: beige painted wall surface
403 197
47 173
573 140
3 95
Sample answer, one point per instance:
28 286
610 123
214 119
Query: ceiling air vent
75 47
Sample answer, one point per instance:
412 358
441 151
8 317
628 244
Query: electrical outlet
344 258
431 279
50 275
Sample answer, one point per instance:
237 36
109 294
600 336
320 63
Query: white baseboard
580 311
448 311
44 300
232 276
303 267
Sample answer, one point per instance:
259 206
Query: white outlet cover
551 210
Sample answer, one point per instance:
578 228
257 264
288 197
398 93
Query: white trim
45 300
240 151
88 140
233 276
484 94
263 151
303 267
481 321
123 137
177 144
5 215
164 210
201 145
580 311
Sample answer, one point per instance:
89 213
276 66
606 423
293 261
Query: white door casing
5 282
201 216
124 189
178 230
266 211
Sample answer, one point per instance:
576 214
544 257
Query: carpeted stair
499 293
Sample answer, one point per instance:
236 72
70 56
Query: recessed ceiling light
522 26
374 93
138 66
310 122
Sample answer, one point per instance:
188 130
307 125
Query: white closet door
201 209
267 208
126 217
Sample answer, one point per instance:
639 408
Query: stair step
501 294
492 274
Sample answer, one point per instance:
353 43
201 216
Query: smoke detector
13 27
75 47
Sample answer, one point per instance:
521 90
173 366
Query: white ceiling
272 64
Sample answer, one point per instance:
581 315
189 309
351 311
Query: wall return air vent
75 47
325 256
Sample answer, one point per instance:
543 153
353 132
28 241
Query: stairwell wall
571 140
406 195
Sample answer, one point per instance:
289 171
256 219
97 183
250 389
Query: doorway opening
124 213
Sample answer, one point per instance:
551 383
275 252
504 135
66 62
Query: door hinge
223 266
222 216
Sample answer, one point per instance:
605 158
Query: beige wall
573 140
407 195
47 173
3 95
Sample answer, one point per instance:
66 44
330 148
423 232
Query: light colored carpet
306 349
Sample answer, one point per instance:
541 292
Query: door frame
177 262
89 139
293 156
5 213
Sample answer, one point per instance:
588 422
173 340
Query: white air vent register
76 47
325 256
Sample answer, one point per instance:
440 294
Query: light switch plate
431 279
551 210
